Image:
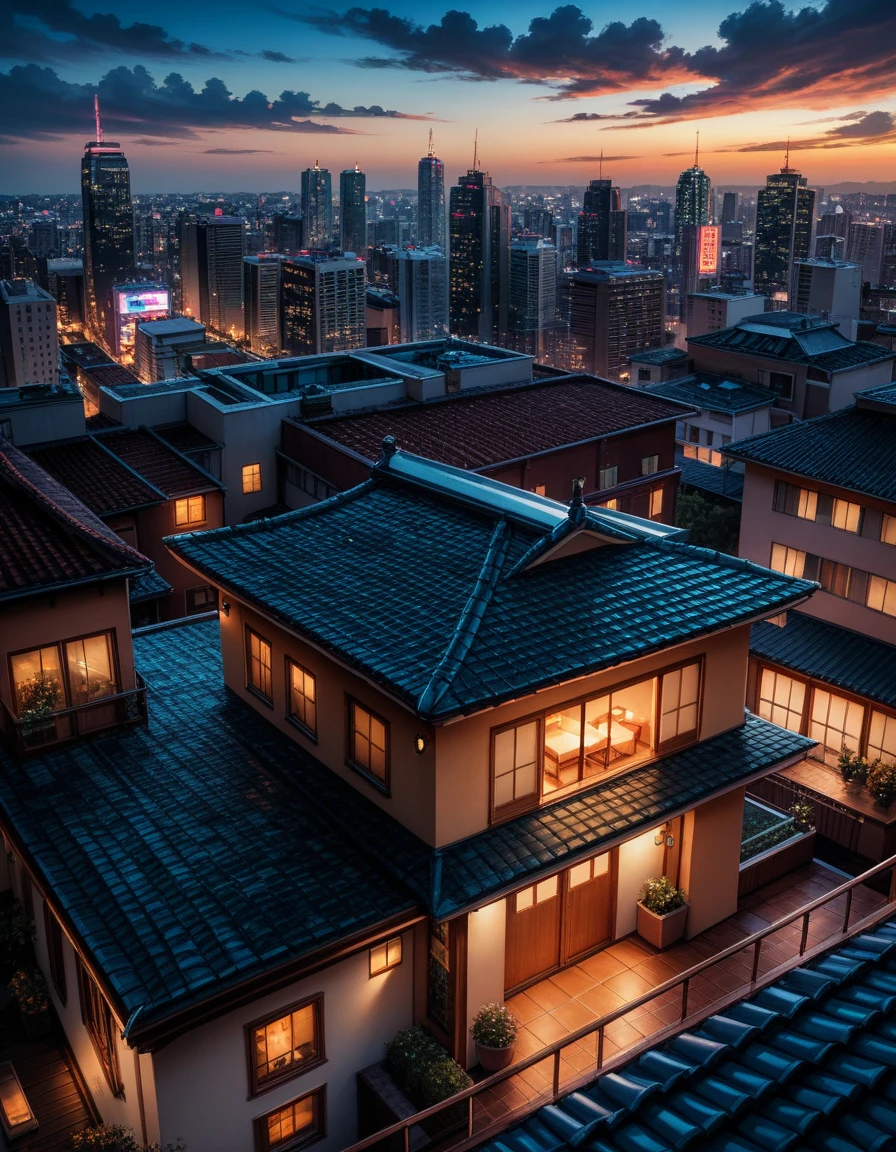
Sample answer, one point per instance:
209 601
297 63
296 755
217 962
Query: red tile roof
48 538
158 464
95 476
481 430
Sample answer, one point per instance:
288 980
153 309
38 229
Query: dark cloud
37 103
587 159
279 57
590 117
871 128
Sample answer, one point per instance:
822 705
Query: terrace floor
570 999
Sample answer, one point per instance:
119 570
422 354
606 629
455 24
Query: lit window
539 893
846 516
258 664
251 478
649 465
834 721
656 503
385 956
302 697
97 1019
881 595
680 698
882 737
790 561
588 870
607 477
293 1126
287 1044
368 743
781 699
888 529
613 504
189 510
515 758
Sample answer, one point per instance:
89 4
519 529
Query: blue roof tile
710 479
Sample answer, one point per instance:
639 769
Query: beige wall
639 860
710 860
485 963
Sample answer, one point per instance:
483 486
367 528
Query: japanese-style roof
48 538
148 586
158 464
804 1064
710 479
185 438
486 428
852 448
708 391
846 659
96 476
181 862
797 339
432 581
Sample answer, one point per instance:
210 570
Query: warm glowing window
385 956
790 561
251 478
881 595
37 681
613 505
295 1125
539 893
286 1045
846 515
89 663
649 465
302 697
43 682
818 506
588 870
368 743
189 510
515 756
882 737
656 503
258 664
834 722
98 1020
680 698
888 529
781 699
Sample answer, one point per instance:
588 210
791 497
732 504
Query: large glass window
368 743
882 736
286 1045
680 704
43 683
90 673
515 754
781 699
98 1020
834 721
881 595
790 561
302 697
295 1125
258 665
38 682
818 506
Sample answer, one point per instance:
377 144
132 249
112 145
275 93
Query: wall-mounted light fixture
664 836
225 607
420 743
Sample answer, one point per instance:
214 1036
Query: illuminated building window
97 1019
881 595
385 956
888 530
515 767
296 1125
62 676
251 478
285 1044
302 697
258 665
656 503
782 699
189 510
368 744
834 721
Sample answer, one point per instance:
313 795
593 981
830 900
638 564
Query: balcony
26 737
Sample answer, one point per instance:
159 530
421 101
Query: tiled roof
97 477
182 863
478 431
186 438
157 463
805 1064
708 478
852 448
820 345
48 538
847 659
148 586
718 393
421 579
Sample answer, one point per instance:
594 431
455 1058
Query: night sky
242 96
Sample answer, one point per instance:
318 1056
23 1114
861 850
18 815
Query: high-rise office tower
288 234
828 288
212 250
728 214
692 199
29 345
835 223
864 246
615 311
830 247
539 221
418 278
479 240
431 199
784 212
108 228
261 303
563 238
317 207
323 304
602 224
887 277
43 238
353 210
532 294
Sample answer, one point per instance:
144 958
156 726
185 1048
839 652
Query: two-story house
820 504
458 725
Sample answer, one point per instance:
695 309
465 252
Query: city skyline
548 89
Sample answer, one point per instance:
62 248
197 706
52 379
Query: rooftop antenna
357 169
476 151
787 156
99 123
430 151
697 151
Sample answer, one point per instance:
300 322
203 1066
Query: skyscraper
323 304
108 228
417 277
479 239
29 345
784 212
615 311
261 303
692 200
532 293
864 246
317 207
431 199
353 210
602 224
212 250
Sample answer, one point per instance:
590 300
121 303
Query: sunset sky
239 96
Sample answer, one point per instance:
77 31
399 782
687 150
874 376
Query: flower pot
661 931
36 1024
494 1059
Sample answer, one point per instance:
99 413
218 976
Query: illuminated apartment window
285 1044
385 956
782 699
888 530
302 697
882 736
258 665
679 704
790 561
61 676
251 478
656 503
833 722
295 1125
881 595
515 767
97 1019
607 477
649 465
539 490
189 510
817 506
368 746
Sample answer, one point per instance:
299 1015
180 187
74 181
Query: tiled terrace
569 1000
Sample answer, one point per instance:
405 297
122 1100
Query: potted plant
39 697
802 812
853 769
30 991
882 782
662 912
494 1029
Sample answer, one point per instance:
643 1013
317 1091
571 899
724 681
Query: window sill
375 782
303 728
266 700
256 1090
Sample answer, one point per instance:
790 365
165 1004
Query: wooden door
587 907
532 942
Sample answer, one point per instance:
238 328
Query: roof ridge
470 619
783 430
726 560
97 440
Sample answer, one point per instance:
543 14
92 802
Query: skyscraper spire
697 151
99 123
476 151
431 150
786 167
600 168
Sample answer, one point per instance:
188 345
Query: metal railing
682 982
26 737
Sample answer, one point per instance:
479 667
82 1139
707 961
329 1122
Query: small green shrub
882 782
30 990
659 895
117 1138
442 1079
422 1068
495 1026
853 768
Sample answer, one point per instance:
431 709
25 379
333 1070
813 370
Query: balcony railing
30 735
400 1132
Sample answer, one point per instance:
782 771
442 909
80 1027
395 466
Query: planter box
776 862
661 931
